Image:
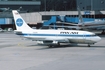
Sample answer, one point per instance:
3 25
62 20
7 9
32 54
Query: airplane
53 37
97 24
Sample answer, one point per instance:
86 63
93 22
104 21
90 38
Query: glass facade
64 5
19 0
28 6
53 5
58 5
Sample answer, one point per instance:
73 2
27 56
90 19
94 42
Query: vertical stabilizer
80 15
20 24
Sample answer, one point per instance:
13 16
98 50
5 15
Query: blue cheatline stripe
55 35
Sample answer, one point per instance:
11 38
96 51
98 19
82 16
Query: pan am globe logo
19 22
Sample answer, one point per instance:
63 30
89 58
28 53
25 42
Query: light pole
65 2
45 5
91 5
92 8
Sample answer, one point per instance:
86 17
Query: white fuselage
70 36
52 36
93 24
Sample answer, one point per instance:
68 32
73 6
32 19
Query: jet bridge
52 20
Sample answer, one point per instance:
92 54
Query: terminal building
6 7
27 6
35 12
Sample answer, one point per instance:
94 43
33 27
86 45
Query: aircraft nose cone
98 38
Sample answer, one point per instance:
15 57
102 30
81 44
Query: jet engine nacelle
47 42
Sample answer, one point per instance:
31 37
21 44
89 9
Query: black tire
58 44
50 46
88 45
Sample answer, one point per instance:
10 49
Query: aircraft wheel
50 46
58 44
88 45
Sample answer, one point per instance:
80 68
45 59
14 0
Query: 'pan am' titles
68 32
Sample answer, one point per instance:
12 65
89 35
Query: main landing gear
88 45
103 32
51 46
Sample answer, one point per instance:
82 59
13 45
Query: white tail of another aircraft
80 15
81 22
21 25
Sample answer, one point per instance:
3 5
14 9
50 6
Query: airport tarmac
19 54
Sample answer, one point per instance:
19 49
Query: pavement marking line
21 44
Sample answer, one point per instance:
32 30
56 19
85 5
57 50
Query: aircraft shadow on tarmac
47 47
86 45
65 46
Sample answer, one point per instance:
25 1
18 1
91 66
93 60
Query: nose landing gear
88 45
103 32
